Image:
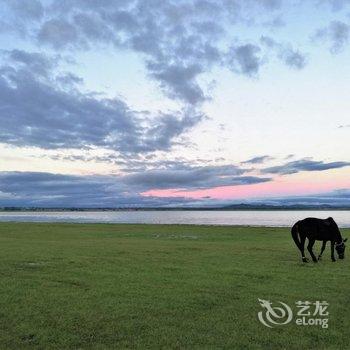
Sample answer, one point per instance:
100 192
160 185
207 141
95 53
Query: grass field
98 286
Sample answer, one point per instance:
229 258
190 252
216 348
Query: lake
251 217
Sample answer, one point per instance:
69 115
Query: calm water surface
253 218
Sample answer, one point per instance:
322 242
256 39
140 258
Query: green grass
98 286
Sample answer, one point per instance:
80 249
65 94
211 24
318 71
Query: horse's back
320 229
310 223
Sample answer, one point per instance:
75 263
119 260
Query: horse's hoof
333 260
319 258
305 260
314 260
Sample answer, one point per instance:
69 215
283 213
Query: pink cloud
301 184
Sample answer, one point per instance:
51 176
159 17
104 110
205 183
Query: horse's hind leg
302 248
309 248
322 249
332 250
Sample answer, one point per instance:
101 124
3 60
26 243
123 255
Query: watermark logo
307 314
274 315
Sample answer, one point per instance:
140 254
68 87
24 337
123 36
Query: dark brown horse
318 230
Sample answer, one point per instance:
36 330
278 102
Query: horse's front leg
322 249
332 250
302 249
309 248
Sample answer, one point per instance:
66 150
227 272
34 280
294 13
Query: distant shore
239 207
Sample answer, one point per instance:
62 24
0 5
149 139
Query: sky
147 103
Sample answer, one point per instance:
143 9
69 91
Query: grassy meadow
107 286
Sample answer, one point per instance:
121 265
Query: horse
320 230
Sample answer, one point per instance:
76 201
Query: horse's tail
295 235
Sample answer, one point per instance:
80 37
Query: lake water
252 218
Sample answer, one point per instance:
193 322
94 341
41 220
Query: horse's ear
345 240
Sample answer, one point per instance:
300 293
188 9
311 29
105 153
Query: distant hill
283 207
232 207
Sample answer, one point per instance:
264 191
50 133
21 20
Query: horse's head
340 248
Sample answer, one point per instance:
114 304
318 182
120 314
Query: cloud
303 165
137 163
167 127
33 189
179 41
337 5
54 190
286 53
293 59
57 190
337 33
42 109
191 178
276 22
27 9
36 63
258 160
245 59
179 81
344 126
271 4
58 32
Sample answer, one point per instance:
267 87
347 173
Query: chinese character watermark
308 313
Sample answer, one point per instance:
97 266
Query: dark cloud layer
191 178
42 109
303 165
55 190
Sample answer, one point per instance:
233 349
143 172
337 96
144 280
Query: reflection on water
253 218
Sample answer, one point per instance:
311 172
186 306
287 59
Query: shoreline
148 224
97 210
